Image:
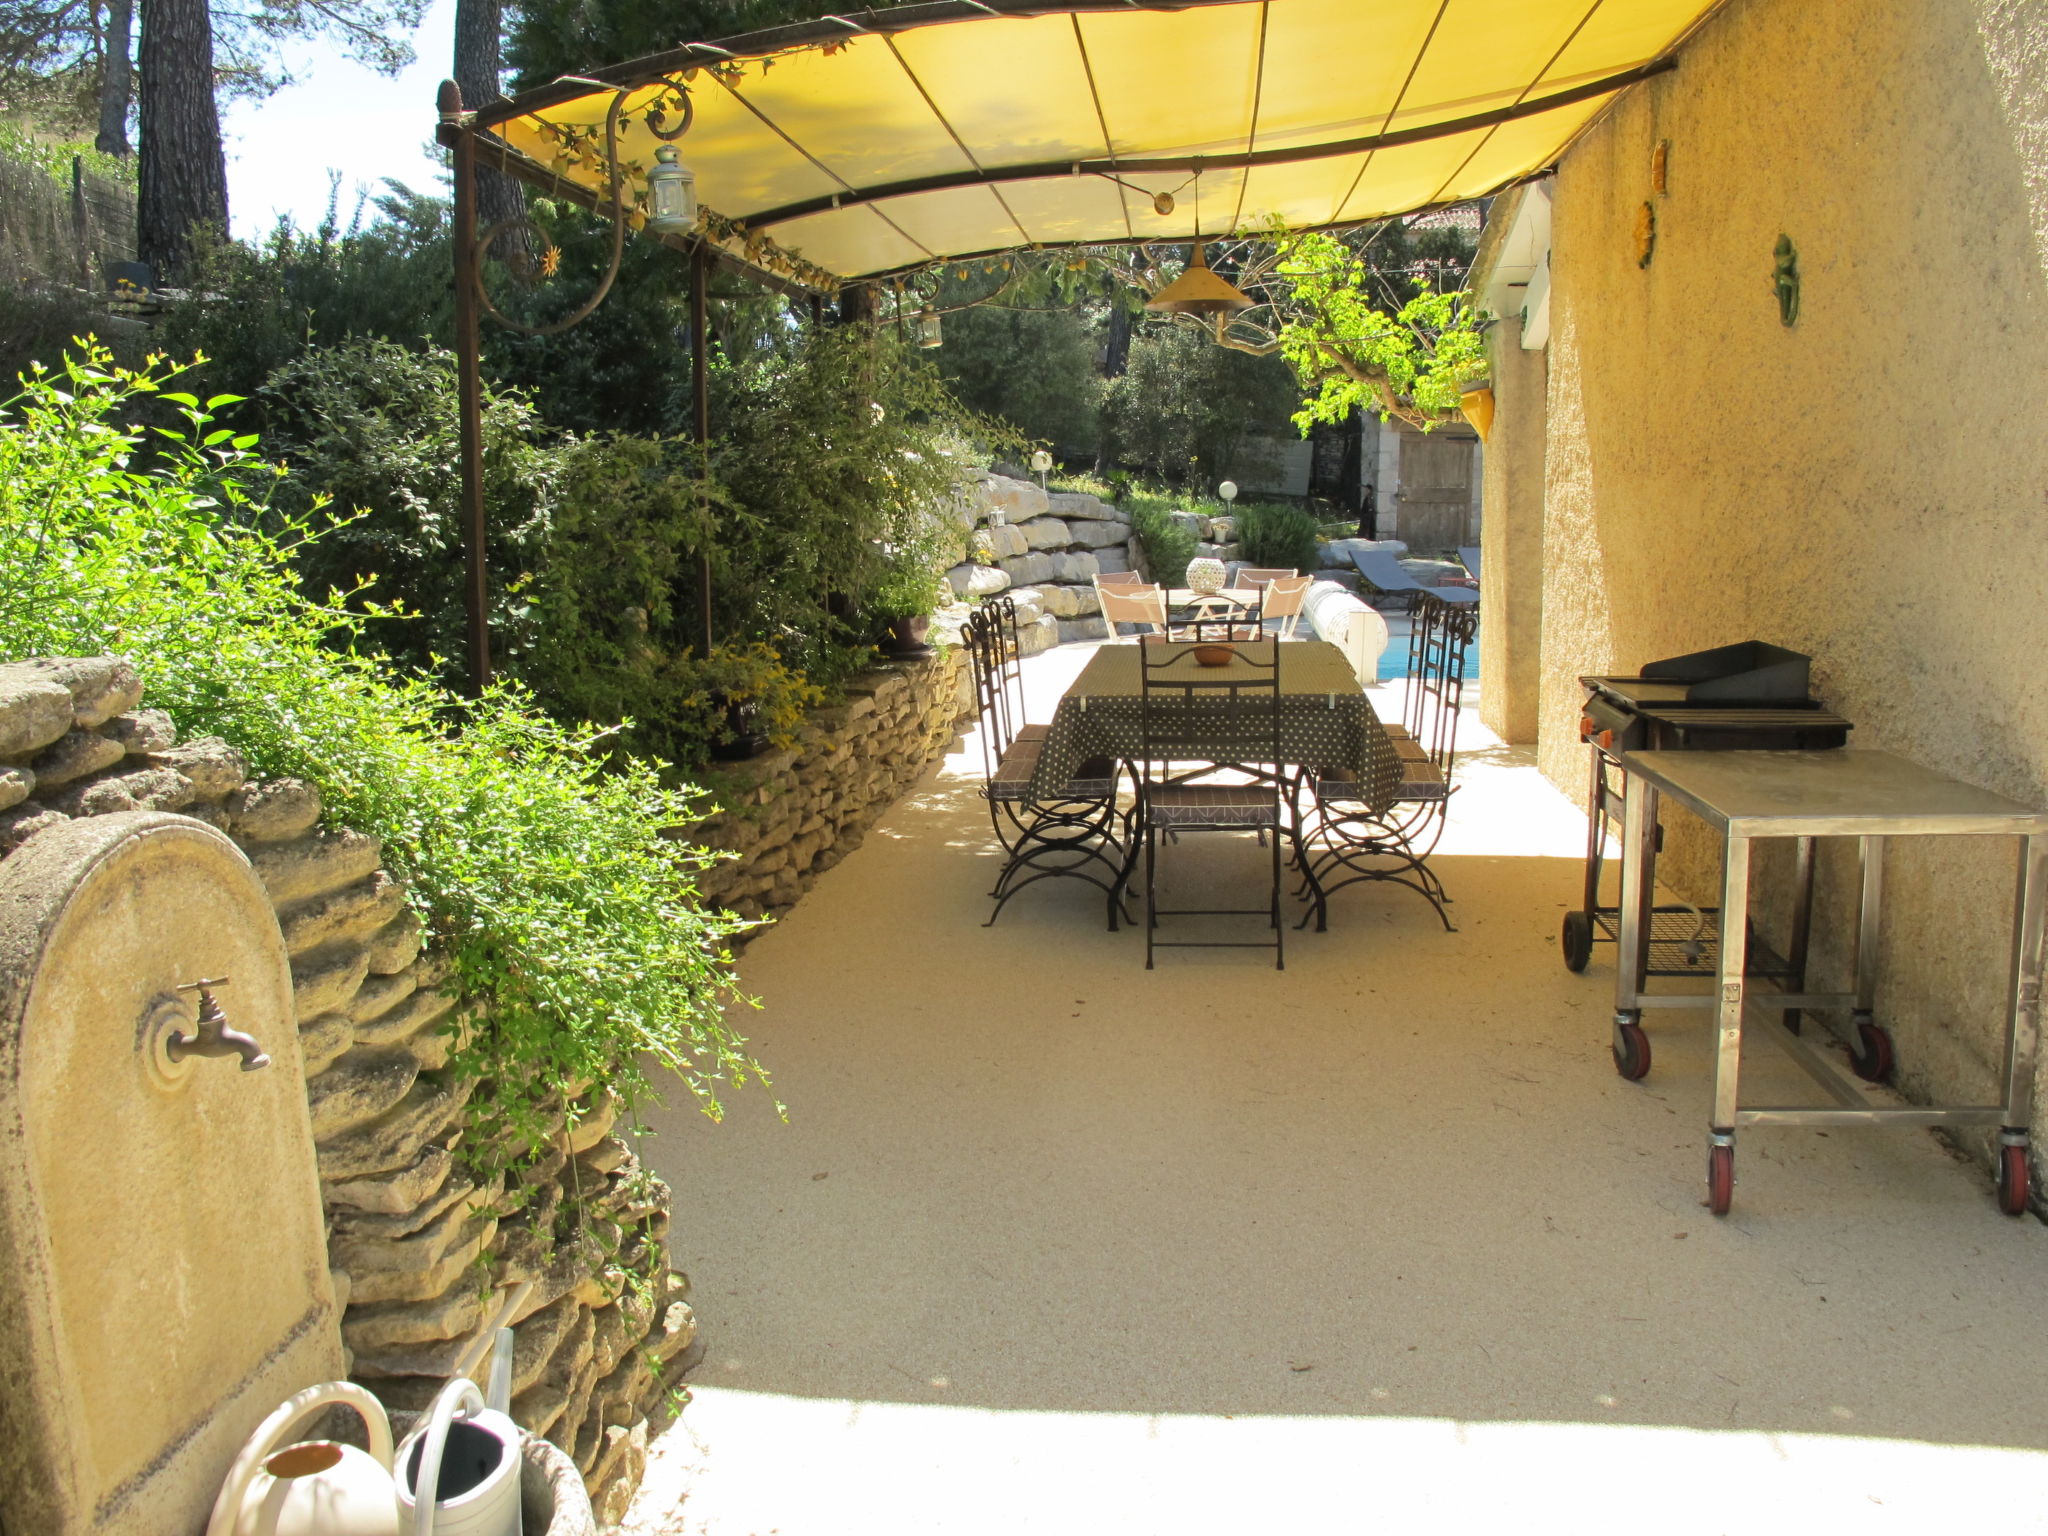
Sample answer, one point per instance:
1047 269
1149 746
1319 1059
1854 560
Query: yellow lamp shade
1477 404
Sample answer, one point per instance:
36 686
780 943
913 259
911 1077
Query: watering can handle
459 1394
249 1460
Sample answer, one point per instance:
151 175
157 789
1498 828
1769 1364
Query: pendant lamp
1199 291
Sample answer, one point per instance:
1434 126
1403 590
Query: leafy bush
1273 535
1168 546
577 945
374 427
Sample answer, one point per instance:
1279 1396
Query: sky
340 116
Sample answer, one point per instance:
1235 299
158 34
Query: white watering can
471 1463
316 1487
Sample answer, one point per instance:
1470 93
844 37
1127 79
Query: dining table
1326 722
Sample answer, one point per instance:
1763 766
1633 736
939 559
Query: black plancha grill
1748 697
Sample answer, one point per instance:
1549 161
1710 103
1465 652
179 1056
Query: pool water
1394 660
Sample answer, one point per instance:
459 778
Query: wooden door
1433 505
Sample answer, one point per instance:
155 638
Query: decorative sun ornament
550 260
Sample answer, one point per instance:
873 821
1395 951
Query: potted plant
747 699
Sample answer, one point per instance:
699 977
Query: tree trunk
117 79
479 70
1116 354
182 175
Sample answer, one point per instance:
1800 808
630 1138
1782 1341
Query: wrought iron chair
1216 716
1066 834
1349 842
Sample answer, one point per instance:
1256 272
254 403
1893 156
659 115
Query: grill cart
1751 696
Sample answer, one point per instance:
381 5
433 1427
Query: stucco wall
1868 485
1510 669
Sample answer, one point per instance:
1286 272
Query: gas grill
1746 697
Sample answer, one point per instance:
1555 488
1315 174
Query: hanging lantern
1199 291
929 332
671 194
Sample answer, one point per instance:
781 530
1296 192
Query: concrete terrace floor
1380 1242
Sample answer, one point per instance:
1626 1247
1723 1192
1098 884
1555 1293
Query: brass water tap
214 1035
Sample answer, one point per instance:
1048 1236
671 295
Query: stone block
1092 627
215 768
394 1192
380 994
1018 500
100 687
323 1041
1039 637
325 980
35 710
1006 541
420 1013
358 1088
370 1331
1026 602
352 914
1086 600
145 789
141 730
396 1139
976 580
311 866
74 755
273 810
415 1268
16 784
1193 522
1098 535
1081 504
1110 561
1060 602
1045 533
1080 566
396 945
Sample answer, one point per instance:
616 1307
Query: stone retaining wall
420 1249
791 815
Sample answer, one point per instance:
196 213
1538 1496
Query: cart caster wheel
1576 940
1720 1179
1631 1052
1872 1057
2012 1180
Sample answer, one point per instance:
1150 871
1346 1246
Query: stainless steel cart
1869 796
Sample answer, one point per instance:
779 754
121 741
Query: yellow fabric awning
884 141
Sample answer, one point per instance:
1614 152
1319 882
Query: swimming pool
1394 659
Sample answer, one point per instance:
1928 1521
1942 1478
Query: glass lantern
671 194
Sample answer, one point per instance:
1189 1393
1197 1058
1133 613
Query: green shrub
1272 535
1168 546
578 947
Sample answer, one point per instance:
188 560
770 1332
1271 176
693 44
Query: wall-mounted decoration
1785 279
1660 167
1646 234
1477 404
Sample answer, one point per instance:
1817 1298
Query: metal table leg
1871 1053
1802 924
1632 937
2023 1024
1728 1045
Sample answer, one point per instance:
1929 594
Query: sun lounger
1385 575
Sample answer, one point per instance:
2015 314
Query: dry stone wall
791 815
1045 551
421 1250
